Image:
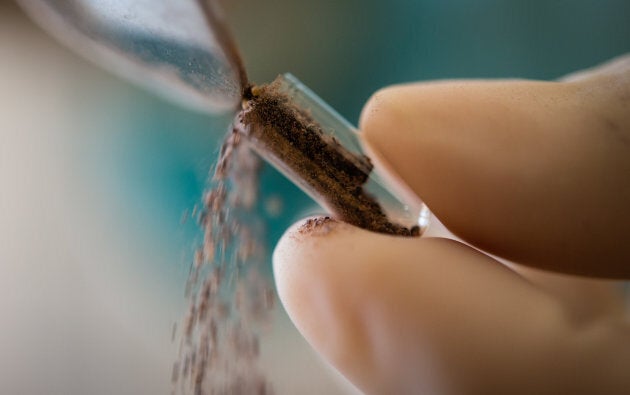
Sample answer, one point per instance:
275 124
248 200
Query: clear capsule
311 144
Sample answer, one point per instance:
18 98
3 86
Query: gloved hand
534 172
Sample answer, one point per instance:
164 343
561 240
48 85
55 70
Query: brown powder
319 226
314 223
230 300
288 136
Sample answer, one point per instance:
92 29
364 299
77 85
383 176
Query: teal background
97 173
345 51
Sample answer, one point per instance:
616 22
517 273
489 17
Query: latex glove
536 172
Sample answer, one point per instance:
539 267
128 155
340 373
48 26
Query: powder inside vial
289 137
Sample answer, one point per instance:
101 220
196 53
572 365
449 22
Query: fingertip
373 107
382 118
292 255
383 125
311 267
334 280
301 260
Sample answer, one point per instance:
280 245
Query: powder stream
230 300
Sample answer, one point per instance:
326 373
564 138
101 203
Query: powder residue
317 226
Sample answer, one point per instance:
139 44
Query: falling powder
230 300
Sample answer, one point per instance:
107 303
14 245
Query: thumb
406 316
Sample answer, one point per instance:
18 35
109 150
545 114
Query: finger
399 315
587 299
535 172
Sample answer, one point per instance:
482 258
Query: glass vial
311 144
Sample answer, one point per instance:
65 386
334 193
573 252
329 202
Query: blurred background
96 173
